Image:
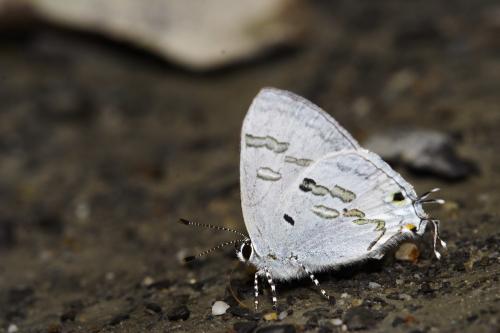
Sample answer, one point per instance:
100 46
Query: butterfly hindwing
282 135
346 207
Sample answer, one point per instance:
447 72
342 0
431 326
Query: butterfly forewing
282 135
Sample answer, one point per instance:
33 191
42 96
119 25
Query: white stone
12 328
199 35
219 308
147 281
82 211
283 315
337 322
374 285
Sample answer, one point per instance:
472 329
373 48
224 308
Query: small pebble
373 285
82 211
337 322
119 318
283 315
147 281
472 318
153 307
356 302
54 328
405 297
160 284
398 321
400 281
400 82
178 313
360 318
423 151
407 252
69 315
12 328
409 319
345 295
271 316
219 308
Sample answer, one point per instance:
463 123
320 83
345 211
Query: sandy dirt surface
103 148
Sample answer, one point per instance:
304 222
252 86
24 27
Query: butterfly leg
273 289
435 223
315 281
256 289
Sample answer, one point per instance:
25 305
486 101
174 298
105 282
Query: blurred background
118 117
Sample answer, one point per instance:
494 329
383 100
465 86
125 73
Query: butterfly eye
398 196
246 251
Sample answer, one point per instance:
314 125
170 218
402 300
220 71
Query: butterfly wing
347 206
282 134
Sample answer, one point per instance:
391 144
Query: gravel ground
104 147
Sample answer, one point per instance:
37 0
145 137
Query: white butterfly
312 198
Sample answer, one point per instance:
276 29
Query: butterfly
312 198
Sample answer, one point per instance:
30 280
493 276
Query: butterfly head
408 204
405 205
423 199
244 251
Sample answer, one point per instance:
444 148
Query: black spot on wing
306 184
289 219
398 196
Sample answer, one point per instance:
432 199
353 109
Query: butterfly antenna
426 194
204 253
209 226
423 198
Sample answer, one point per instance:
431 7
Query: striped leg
273 289
256 288
315 281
